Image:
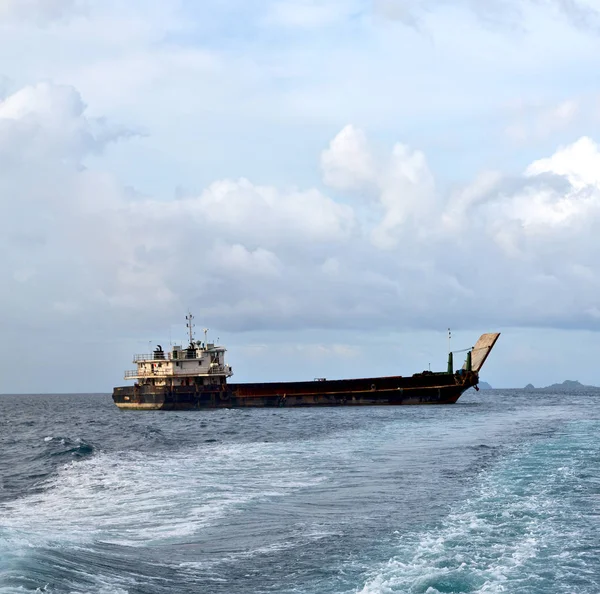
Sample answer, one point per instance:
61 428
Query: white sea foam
519 532
137 499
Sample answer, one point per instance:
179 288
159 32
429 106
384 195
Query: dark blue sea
498 493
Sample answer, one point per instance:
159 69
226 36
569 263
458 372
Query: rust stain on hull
419 389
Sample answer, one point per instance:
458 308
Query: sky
327 185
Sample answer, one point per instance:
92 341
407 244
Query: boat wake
527 527
92 515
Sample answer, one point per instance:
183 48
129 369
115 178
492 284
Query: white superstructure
198 360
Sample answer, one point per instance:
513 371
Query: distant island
566 386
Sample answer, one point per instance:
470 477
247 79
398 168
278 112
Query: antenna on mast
190 326
205 333
449 337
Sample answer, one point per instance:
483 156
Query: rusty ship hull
434 388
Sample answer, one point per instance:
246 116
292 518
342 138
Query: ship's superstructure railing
134 373
162 373
151 357
181 355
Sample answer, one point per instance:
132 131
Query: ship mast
190 326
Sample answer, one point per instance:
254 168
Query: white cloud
456 216
578 162
539 122
39 10
47 121
237 260
347 164
582 13
403 183
398 10
407 195
266 214
309 13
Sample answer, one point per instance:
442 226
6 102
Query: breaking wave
69 448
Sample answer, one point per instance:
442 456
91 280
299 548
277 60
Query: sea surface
498 493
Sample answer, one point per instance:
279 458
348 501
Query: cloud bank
379 245
581 13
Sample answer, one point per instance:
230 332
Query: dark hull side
425 388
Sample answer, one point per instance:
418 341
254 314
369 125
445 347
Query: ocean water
498 493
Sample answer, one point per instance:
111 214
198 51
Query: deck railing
151 357
131 373
177 372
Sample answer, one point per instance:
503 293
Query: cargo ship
196 377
